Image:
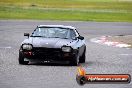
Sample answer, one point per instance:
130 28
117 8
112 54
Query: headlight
66 49
27 47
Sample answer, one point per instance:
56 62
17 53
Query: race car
53 43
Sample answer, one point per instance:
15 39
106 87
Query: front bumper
48 54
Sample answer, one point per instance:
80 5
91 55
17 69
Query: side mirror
80 37
26 34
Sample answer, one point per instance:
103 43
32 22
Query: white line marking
7 47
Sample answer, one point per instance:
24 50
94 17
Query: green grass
79 10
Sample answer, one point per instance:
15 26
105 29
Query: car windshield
53 32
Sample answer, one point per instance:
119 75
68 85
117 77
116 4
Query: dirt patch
126 39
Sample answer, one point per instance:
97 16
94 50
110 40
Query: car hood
49 42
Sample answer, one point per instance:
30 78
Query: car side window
73 34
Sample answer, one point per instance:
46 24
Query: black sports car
50 43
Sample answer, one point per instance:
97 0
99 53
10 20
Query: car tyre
75 62
21 59
82 58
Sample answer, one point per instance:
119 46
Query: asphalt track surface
100 59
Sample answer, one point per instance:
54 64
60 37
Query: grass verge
85 10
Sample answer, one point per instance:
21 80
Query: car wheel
75 62
82 58
21 59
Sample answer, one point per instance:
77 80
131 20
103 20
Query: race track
99 58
